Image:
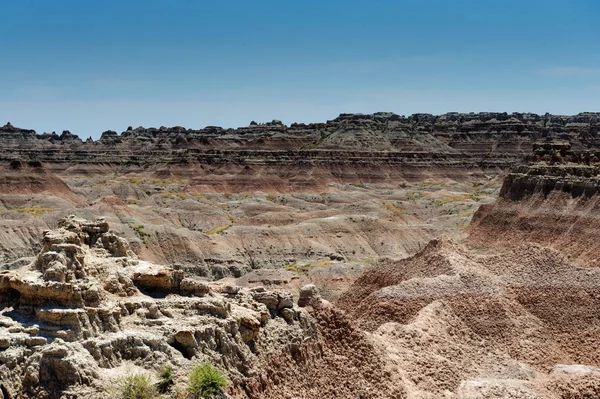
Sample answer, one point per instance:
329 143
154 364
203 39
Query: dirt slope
449 318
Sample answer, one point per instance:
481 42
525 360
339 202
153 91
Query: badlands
371 256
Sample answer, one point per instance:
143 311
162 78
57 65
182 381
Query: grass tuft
218 230
136 386
166 379
396 211
205 381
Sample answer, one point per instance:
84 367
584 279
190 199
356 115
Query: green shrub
205 381
136 386
166 379
139 231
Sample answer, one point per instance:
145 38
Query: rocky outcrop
309 296
86 305
60 274
552 199
84 308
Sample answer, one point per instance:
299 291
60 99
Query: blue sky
89 66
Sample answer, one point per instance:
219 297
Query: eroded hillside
372 256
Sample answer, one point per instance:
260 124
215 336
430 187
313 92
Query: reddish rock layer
553 200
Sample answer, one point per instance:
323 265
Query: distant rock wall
376 147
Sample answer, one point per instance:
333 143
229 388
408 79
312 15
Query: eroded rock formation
551 199
353 147
87 305
481 326
510 312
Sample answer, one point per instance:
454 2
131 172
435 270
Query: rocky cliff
551 199
370 148
86 311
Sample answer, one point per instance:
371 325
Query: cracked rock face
86 306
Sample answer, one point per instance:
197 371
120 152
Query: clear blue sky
88 66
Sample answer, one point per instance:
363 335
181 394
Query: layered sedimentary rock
86 309
551 199
505 314
30 178
353 188
228 234
521 297
369 148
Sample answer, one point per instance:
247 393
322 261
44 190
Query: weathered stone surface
157 278
309 296
89 316
193 287
284 300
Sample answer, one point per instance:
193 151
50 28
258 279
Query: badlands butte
371 256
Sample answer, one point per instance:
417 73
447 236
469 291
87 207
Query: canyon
373 256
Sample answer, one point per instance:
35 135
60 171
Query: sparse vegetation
246 250
205 381
218 230
136 386
198 196
173 195
433 183
191 220
305 268
139 231
135 180
323 263
359 185
299 269
277 199
396 211
33 211
166 379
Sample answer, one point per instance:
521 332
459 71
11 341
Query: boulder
309 296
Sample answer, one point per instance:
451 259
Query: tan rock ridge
86 310
86 304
